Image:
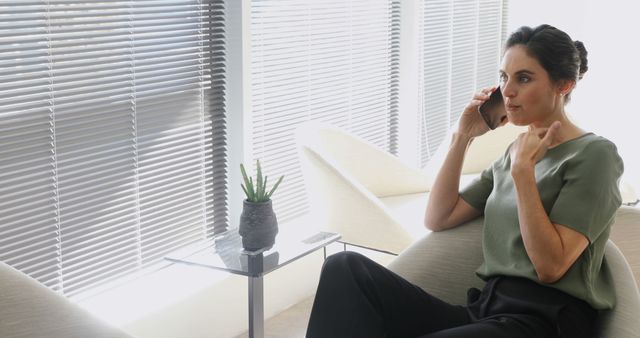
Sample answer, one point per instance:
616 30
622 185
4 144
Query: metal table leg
256 307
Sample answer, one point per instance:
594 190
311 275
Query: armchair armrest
444 263
342 204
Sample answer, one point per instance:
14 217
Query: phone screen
493 111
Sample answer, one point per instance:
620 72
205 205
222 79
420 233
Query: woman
548 204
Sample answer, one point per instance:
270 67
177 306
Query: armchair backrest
362 160
443 263
482 151
623 319
488 147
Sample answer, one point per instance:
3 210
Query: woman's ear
566 87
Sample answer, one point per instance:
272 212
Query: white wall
609 97
605 99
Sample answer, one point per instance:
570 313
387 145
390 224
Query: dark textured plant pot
258 225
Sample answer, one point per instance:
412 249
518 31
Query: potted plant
258 223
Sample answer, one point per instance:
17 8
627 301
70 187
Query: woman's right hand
471 122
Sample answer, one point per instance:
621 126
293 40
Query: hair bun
582 53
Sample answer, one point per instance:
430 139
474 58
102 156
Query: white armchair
28 309
360 191
374 199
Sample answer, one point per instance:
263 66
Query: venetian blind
334 61
111 135
460 50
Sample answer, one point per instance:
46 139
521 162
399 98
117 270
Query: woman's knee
343 263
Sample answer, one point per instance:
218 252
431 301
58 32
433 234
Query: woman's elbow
431 220
547 278
550 275
434 226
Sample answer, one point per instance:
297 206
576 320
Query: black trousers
357 297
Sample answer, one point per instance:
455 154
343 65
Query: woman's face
529 95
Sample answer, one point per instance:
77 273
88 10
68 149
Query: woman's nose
508 90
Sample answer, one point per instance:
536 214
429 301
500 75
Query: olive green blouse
578 185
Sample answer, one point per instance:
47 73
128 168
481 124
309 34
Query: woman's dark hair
560 56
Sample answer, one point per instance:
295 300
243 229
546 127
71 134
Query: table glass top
226 253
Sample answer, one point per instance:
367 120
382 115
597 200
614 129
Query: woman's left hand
530 147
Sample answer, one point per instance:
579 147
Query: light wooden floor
291 323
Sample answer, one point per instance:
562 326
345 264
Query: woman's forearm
541 239
444 192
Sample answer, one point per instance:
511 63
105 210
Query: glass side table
225 253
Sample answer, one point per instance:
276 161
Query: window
333 61
111 135
112 113
460 53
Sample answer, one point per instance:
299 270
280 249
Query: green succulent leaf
246 180
245 191
257 192
263 190
275 186
252 191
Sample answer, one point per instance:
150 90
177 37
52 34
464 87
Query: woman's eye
524 79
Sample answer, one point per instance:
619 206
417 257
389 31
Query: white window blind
460 54
110 115
334 61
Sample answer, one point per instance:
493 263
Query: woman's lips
512 107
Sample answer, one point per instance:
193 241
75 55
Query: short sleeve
477 192
590 196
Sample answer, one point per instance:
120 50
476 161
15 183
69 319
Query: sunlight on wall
610 95
141 297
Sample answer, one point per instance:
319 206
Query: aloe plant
257 192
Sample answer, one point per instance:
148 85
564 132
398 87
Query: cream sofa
31 310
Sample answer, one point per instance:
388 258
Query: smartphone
493 111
